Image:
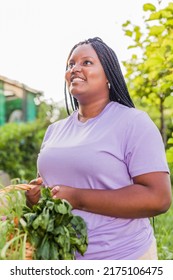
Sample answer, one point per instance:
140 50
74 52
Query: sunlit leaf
126 23
149 7
156 30
168 102
129 33
154 16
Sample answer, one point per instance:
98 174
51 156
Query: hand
65 192
33 195
36 181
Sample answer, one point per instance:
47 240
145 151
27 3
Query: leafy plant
12 238
50 227
19 148
149 71
163 233
53 230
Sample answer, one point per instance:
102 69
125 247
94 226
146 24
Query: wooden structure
17 101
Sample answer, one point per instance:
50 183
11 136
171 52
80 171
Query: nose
76 68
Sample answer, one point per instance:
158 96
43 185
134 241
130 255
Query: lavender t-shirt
105 152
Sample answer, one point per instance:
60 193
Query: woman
107 158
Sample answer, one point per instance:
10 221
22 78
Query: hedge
19 148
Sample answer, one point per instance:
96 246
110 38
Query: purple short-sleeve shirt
105 152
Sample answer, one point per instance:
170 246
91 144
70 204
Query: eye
87 62
70 65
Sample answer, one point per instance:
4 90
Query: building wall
18 97
2 104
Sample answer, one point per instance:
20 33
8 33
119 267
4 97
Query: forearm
134 201
149 196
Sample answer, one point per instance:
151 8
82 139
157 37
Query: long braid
118 89
109 61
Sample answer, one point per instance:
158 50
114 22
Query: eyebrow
84 57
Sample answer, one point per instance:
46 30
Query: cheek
98 76
67 78
100 79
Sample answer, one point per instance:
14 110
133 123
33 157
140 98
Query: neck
87 111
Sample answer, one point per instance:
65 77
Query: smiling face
85 77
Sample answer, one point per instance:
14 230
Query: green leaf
29 217
168 102
82 248
46 193
169 77
43 251
42 220
37 222
50 226
169 22
156 30
58 230
68 256
63 207
128 33
149 7
155 16
49 204
169 155
170 141
126 23
54 254
60 240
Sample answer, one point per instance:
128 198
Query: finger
55 190
33 182
34 191
39 181
36 181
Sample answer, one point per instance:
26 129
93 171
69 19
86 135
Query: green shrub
169 155
19 148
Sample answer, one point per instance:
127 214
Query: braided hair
118 91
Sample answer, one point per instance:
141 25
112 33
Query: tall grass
163 225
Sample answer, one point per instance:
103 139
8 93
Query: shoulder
54 127
135 124
129 116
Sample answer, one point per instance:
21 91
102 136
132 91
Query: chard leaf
43 251
50 204
82 248
60 240
42 220
61 208
46 193
29 217
50 227
54 254
58 230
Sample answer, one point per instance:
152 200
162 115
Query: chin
76 93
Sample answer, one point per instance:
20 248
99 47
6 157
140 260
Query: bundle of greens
53 230
47 231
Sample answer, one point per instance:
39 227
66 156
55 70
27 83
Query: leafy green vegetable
53 230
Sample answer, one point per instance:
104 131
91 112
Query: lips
77 79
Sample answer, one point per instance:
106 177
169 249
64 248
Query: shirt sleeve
144 148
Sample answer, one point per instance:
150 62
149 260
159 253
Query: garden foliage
19 148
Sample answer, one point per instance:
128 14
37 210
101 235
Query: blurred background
36 38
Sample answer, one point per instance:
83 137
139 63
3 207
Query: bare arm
150 195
